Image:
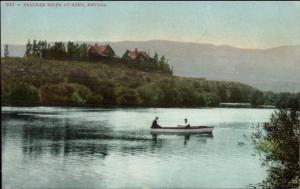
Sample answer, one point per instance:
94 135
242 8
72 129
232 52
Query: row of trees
109 93
57 51
282 100
93 92
155 63
79 87
79 52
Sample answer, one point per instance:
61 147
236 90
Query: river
48 147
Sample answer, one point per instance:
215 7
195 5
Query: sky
240 24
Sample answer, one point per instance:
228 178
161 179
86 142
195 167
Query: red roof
136 54
102 50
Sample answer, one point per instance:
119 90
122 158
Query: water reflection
186 137
98 148
64 137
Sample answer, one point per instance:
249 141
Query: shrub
150 94
106 89
212 99
256 98
82 77
64 94
127 96
23 94
95 100
280 143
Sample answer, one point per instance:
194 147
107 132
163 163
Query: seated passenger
185 124
155 124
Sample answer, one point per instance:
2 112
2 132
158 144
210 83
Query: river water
47 147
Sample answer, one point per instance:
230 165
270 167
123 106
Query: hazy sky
240 24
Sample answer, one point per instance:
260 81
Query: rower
185 124
155 124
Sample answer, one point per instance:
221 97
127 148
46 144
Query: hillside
29 81
276 69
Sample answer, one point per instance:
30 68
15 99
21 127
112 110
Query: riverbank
38 82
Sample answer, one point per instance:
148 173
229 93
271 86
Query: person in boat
185 124
155 124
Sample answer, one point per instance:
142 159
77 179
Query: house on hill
101 52
138 55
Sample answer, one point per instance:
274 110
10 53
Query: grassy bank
31 81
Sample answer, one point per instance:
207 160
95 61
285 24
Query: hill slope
276 69
27 81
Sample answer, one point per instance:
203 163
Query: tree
35 48
257 98
28 51
6 52
59 51
83 48
162 62
126 96
235 94
64 94
222 93
23 93
125 56
71 50
281 147
155 60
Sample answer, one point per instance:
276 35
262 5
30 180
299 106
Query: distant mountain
276 69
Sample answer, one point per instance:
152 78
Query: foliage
35 49
6 51
107 89
282 100
64 94
257 98
154 64
280 143
126 96
79 52
23 94
83 83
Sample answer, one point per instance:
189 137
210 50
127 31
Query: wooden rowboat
183 130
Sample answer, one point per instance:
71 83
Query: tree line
57 50
155 63
48 82
79 52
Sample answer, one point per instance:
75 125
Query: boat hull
183 130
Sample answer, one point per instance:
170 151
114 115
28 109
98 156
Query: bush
23 94
257 98
150 94
95 100
127 96
212 99
281 147
106 90
168 96
64 94
82 77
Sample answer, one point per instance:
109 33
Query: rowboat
183 130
